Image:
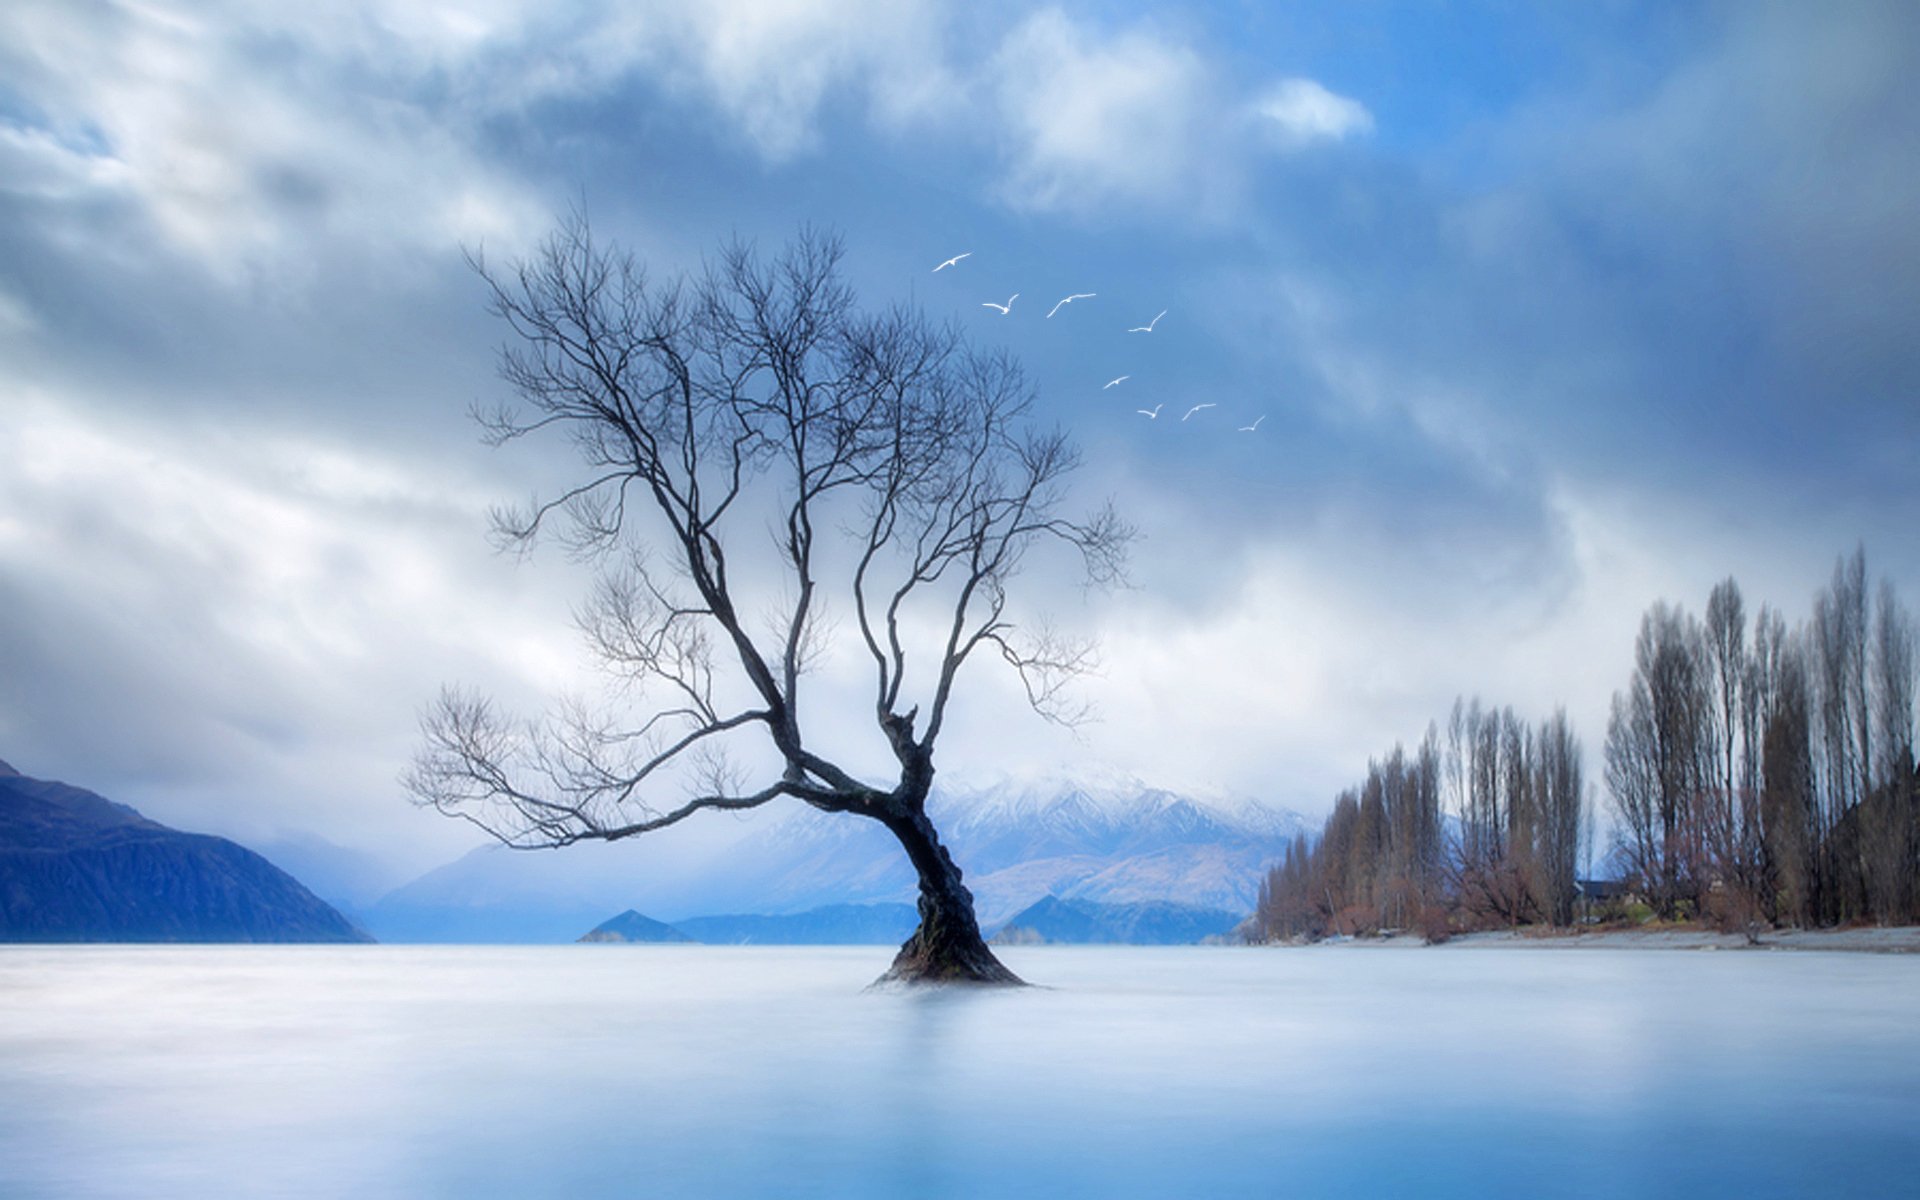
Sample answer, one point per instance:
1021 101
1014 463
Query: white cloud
1092 119
258 613
241 135
37 165
771 65
233 164
1299 111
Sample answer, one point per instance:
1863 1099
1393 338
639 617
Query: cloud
1300 111
235 136
1140 118
771 66
1772 180
16 316
254 613
1093 119
168 112
1333 643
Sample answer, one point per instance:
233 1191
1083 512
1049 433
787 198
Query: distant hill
1114 841
832 925
77 867
1149 923
631 926
348 879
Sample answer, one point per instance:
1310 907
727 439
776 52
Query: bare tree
1890 840
1410 873
1659 758
894 470
1840 642
1559 793
1788 797
1894 683
1726 661
1839 648
1733 818
1493 870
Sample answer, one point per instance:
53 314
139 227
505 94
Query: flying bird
1002 307
1148 327
956 258
1155 414
1122 379
1254 426
1196 408
1070 300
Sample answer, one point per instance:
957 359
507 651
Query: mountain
1113 841
1150 923
1116 842
348 879
833 925
77 867
630 926
496 895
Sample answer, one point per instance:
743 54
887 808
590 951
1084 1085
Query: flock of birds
1152 414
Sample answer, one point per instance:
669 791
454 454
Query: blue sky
1551 311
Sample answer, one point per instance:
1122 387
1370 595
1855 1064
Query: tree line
1763 774
1476 828
1756 775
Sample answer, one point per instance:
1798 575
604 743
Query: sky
1546 311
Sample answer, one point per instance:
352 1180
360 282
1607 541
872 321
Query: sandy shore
1895 940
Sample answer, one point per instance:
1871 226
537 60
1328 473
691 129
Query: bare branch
689 403
1048 664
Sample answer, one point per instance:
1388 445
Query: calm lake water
660 1071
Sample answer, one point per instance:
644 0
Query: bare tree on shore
1659 759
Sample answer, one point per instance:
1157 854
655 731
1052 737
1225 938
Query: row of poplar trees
1388 857
1757 774
1763 774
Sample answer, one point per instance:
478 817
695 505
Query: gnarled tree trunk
947 947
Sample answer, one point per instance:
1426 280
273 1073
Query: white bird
1070 300
1196 408
1254 426
1122 379
1155 414
956 258
1002 307
1148 327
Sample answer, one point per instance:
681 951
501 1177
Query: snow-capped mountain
1115 840
1119 842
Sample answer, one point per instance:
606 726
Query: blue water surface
675 1071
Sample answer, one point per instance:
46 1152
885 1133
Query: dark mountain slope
77 867
631 926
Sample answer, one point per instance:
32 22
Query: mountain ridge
1053 920
1114 840
77 867
631 926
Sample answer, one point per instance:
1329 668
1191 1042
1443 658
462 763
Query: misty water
585 1071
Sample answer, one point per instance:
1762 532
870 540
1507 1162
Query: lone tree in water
893 468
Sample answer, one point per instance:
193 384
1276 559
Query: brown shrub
1433 924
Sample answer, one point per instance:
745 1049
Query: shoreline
1900 939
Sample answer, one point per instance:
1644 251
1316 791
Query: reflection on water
740 1071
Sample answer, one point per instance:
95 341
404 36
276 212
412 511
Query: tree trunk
947 947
